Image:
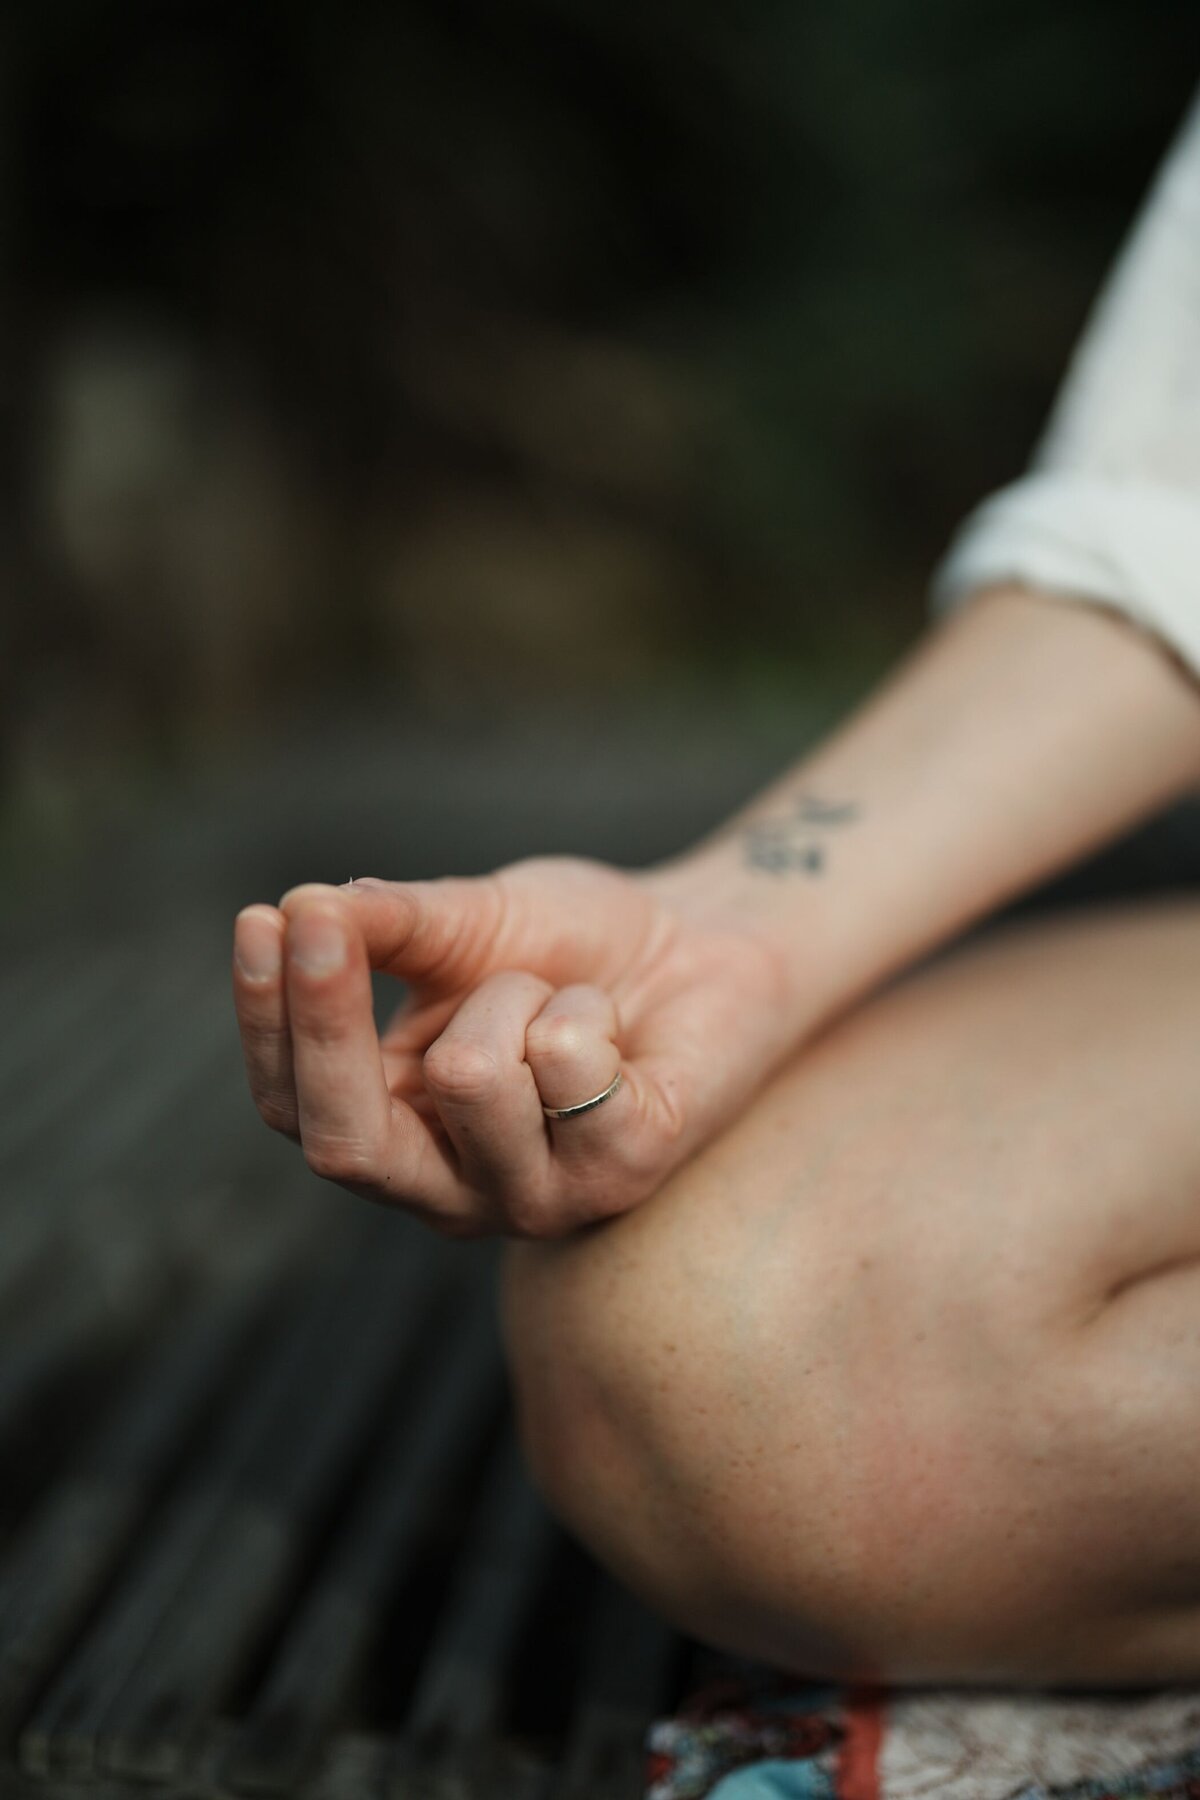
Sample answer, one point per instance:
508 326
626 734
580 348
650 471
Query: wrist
742 880
1016 737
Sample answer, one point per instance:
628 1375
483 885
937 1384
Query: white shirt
1109 509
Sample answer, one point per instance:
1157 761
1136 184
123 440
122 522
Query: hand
531 987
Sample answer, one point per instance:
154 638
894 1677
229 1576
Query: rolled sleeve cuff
1132 546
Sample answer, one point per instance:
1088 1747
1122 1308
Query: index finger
447 932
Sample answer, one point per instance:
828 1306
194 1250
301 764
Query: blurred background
430 432
401 374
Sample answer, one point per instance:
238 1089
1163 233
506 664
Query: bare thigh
902 1376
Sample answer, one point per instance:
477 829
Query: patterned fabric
748 1737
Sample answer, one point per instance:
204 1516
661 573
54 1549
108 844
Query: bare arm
1040 721
1017 737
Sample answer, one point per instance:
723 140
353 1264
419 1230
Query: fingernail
317 943
257 949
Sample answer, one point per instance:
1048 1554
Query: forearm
1017 737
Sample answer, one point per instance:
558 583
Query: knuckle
559 1039
321 1026
261 1018
340 1160
277 1111
462 1072
264 1046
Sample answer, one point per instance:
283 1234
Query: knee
589 1368
684 1437
623 1401
772 1483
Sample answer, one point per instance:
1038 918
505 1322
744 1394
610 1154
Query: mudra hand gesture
532 991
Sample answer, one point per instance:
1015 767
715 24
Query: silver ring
570 1112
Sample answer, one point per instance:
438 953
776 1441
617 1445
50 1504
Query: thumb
447 932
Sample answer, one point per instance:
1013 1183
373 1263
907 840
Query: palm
693 997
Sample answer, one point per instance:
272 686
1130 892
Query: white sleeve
1109 509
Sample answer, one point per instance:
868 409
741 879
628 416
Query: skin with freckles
867 1347
900 1378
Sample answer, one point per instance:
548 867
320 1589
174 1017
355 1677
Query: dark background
417 365
428 433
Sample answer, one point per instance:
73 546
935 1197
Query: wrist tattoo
796 841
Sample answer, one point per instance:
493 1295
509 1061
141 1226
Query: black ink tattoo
794 844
